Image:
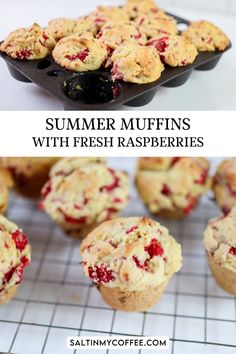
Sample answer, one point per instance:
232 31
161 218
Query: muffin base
7 295
226 278
131 301
31 187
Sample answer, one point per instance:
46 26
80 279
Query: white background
211 90
204 124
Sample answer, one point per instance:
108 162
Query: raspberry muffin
174 50
6 182
85 24
137 64
14 257
172 186
84 198
153 26
28 43
131 260
135 8
67 165
80 53
206 36
29 173
224 185
112 14
61 27
220 245
115 35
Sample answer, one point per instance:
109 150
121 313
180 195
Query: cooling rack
56 300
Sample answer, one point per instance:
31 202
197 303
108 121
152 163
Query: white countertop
209 90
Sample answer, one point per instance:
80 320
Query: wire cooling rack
56 300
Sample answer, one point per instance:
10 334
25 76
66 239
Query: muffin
172 186
14 257
61 27
67 165
115 35
28 43
135 8
131 260
136 64
224 185
174 50
85 24
220 245
112 14
29 173
206 36
155 25
80 200
6 182
80 53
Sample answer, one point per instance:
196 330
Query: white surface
204 91
194 311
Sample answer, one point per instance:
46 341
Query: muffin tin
108 96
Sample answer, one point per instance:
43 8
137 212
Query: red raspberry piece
233 251
20 240
99 20
99 35
71 220
226 210
139 264
154 248
203 177
192 202
166 190
116 74
141 21
138 35
115 183
117 200
8 275
47 188
45 37
23 54
133 228
100 274
160 44
41 205
174 160
110 211
114 245
24 262
81 55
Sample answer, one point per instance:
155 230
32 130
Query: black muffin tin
51 77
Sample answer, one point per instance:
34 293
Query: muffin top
114 35
131 254
206 36
28 43
135 8
174 50
85 24
80 53
170 183
61 27
224 184
27 166
220 240
90 194
14 254
104 14
137 64
154 25
67 165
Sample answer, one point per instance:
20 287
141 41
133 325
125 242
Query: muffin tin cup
52 78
